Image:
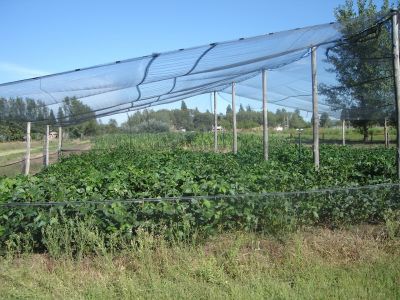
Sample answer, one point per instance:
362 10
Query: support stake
59 142
28 149
344 132
315 106
46 147
215 124
265 114
235 147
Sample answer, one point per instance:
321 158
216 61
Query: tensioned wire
32 158
202 198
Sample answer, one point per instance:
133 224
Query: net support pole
385 133
315 107
235 147
344 132
59 142
46 147
265 114
215 123
396 70
28 149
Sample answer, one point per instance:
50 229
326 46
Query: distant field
334 135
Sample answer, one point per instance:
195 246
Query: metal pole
59 142
265 114
46 147
235 147
396 69
315 106
215 123
28 149
343 132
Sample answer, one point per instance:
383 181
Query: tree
296 120
228 109
111 127
60 115
324 120
183 106
81 116
151 126
52 118
241 108
182 119
31 109
365 77
203 121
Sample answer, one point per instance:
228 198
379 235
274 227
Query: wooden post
235 147
315 106
385 133
344 132
215 123
265 114
59 142
388 137
396 70
28 149
46 147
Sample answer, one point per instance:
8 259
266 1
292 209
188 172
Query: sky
45 36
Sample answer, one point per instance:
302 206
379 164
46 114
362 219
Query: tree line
14 113
193 120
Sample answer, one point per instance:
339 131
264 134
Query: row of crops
216 191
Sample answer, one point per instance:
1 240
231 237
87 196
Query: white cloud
19 72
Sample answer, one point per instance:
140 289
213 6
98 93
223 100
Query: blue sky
42 36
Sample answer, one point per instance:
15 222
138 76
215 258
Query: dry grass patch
315 263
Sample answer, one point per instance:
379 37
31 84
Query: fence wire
291 194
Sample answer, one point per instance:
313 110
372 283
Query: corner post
396 69
315 107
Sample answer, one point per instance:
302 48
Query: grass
15 151
357 263
334 135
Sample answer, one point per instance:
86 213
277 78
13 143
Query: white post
215 123
28 149
235 148
46 147
396 69
59 142
315 106
343 132
265 114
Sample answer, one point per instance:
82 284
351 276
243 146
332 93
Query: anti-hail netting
157 79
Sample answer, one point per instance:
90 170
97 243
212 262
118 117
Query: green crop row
172 165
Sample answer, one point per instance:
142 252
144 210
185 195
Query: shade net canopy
168 77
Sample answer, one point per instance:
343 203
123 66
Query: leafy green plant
221 191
